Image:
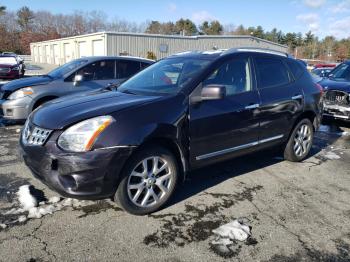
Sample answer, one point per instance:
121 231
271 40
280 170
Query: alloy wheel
149 182
302 140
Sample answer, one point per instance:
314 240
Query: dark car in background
337 93
184 112
20 97
322 72
11 67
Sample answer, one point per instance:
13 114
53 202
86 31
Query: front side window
167 76
234 75
271 72
99 70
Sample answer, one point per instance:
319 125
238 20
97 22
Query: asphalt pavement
297 212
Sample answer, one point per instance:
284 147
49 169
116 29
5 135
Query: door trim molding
236 148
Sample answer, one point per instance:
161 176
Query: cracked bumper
90 175
337 111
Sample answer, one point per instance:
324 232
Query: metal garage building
60 51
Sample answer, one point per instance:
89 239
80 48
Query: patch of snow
22 219
3 226
235 230
54 199
26 200
331 156
332 130
18 130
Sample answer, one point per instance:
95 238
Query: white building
60 51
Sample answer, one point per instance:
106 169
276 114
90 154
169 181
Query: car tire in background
148 180
300 141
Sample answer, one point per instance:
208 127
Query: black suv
181 113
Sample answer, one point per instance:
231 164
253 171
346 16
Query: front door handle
296 97
253 106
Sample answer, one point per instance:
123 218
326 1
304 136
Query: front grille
34 135
337 97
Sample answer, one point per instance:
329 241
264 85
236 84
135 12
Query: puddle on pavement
97 207
9 184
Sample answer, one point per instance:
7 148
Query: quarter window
234 75
272 72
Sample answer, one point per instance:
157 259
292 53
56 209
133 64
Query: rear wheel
149 180
300 141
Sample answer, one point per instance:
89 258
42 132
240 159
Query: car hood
329 84
24 82
68 110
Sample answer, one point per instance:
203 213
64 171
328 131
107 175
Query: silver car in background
19 98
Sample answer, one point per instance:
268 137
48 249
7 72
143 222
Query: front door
229 126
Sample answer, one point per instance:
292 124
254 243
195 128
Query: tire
300 141
141 192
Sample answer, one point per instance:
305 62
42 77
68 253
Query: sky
322 17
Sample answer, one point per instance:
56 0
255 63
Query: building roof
195 37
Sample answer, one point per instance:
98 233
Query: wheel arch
43 99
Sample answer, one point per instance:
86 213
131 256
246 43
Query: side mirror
77 79
213 92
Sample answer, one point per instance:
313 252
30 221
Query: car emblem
339 98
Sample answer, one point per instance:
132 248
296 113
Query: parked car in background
337 93
184 112
11 67
322 72
19 98
325 65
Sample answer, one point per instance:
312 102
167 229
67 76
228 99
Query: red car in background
11 67
324 65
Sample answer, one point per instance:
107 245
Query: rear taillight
320 88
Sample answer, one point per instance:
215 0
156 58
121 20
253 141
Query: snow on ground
29 208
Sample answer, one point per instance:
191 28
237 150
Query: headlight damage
82 136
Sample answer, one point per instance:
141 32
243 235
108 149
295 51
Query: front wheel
300 141
149 180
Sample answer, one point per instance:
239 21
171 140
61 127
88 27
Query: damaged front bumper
90 175
337 111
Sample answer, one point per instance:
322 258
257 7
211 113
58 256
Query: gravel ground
297 212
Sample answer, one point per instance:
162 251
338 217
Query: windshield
167 76
66 68
341 72
8 61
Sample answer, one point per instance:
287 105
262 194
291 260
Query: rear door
281 99
229 126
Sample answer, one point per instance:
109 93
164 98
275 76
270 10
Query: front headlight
82 136
26 91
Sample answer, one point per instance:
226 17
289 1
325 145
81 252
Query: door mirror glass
213 92
78 79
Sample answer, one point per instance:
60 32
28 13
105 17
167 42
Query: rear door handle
253 106
296 97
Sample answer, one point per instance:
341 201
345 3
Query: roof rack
258 50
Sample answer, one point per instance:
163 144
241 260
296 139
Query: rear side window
271 72
296 67
126 68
